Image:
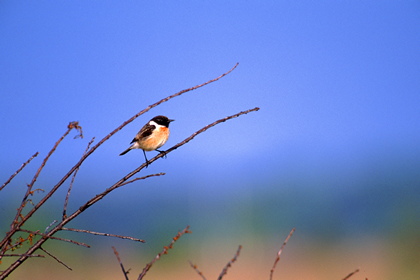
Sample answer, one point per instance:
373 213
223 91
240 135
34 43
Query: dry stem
197 270
280 251
55 258
351 274
17 171
104 234
121 264
66 201
229 264
164 251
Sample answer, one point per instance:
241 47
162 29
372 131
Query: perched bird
151 136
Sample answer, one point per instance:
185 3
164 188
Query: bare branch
201 131
56 238
280 251
107 191
66 201
76 126
163 252
142 178
55 258
20 255
197 270
21 219
17 171
104 234
122 181
15 223
121 264
229 264
47 229
351 274
83 158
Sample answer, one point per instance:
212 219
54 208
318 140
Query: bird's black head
162 120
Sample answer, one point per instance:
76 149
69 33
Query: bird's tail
126 151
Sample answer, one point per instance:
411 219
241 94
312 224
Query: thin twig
20 255
205 128
50 225
56 238
142 178
229 264
121 264
104 234
280 251
76 126
197 270
66 201
55 258
120 183
17 171
351 274
163 252
15 223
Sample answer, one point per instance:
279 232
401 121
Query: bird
151 136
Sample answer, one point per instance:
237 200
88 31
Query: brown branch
115 186
15 223
121 264
55 258
18 243
76 126
280 251
23 219
229 264
66 201
163 252
120 183
142 178
351 274
83 158
123 180
104 234
56 238
197 270
18 171
202 130
20 255
192 136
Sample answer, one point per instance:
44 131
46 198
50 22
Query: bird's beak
171 120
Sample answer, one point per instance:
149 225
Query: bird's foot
162 152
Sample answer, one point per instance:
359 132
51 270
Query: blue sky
337 83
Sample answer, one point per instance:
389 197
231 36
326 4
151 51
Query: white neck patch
155 124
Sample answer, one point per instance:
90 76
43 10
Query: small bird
151 136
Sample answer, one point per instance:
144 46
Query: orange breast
155 140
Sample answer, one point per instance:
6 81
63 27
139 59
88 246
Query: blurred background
334 150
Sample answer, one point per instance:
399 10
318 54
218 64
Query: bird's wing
144 132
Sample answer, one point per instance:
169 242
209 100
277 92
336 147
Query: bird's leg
147 162
162 152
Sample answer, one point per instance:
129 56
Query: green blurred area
373 229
